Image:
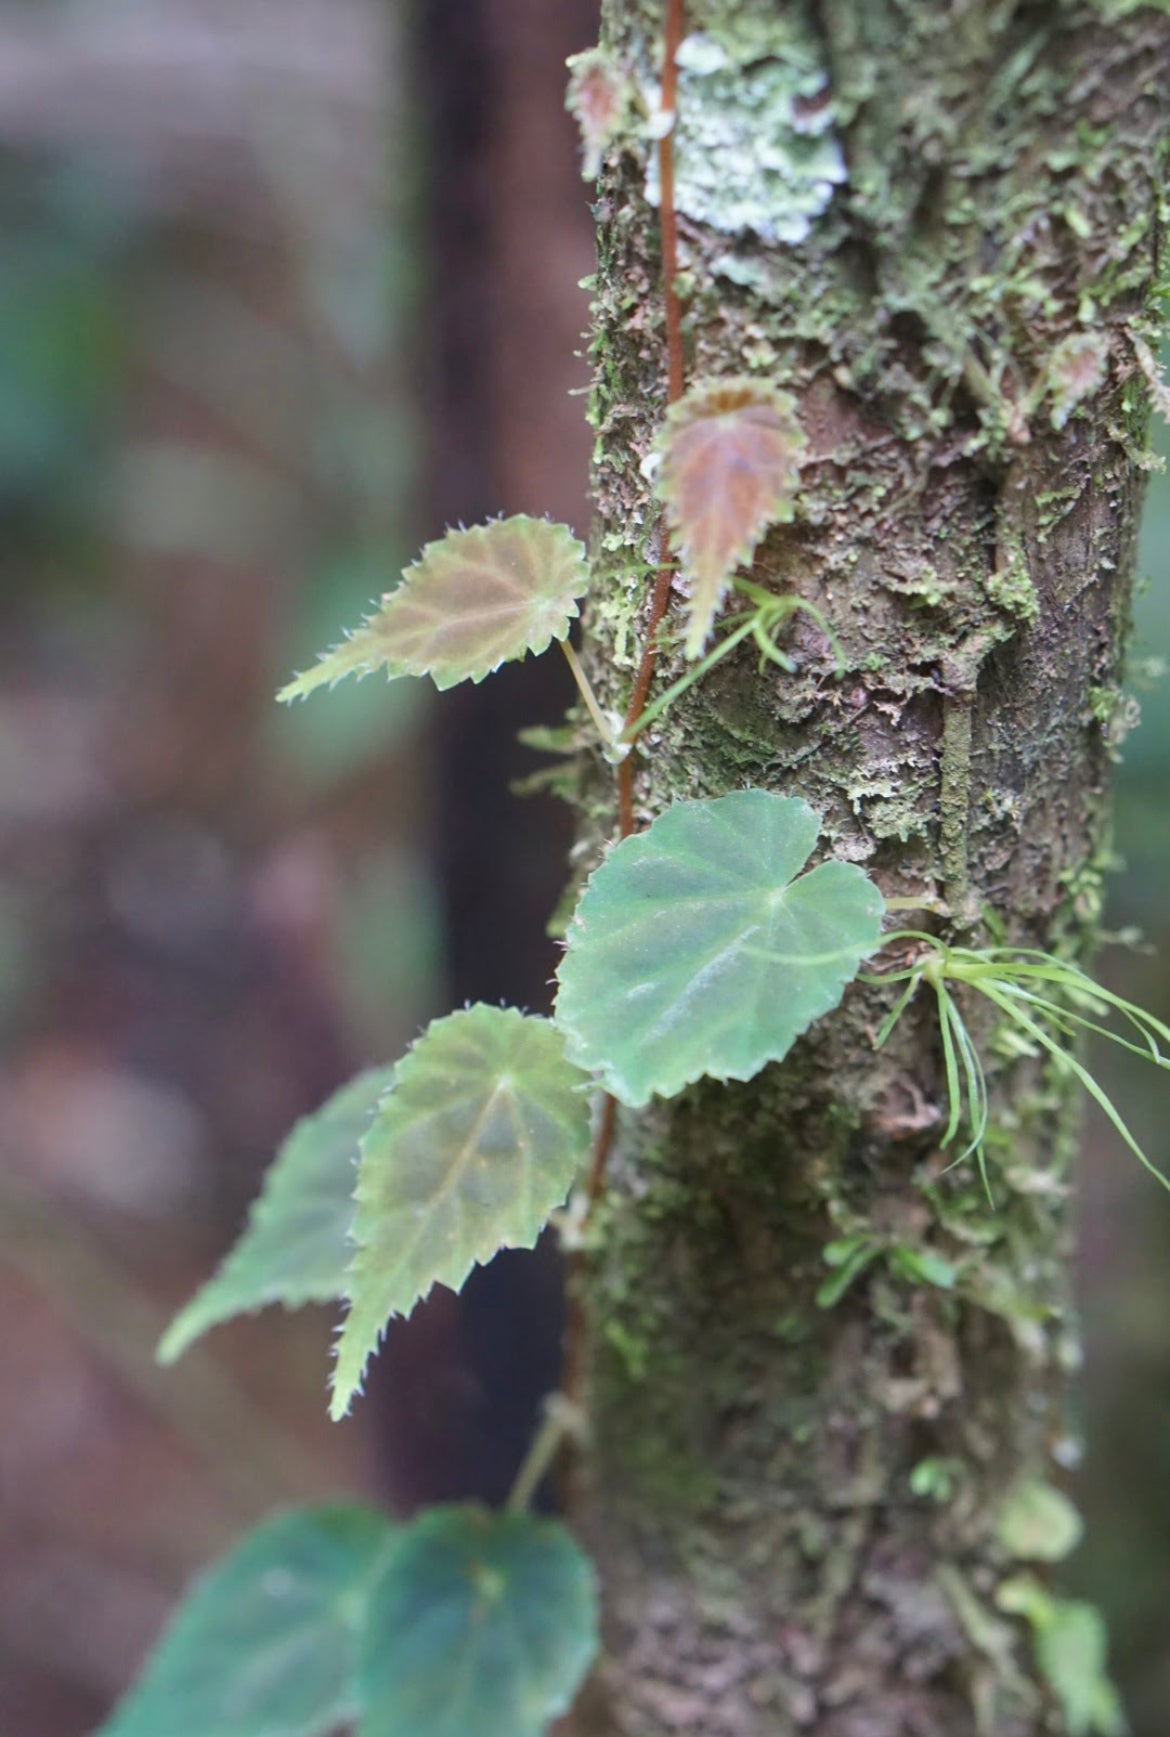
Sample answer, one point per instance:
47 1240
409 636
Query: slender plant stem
675 385
576 1329
585 689
742 632
560 1421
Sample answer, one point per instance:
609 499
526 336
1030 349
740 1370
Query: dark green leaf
265 1644
481 1625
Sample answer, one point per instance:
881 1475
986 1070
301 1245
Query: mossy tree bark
937 222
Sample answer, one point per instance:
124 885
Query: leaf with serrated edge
266 1643
296 1246
472 601
476 1145
694 951
481 1625
730 452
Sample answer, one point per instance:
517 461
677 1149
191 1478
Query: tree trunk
945 266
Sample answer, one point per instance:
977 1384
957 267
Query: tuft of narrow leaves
472 601
295 1248
730 459
1046 1004
478 1142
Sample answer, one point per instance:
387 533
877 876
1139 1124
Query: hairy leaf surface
730 464
478 1142
694 951
472 601
480 1623
266 1643
296 1246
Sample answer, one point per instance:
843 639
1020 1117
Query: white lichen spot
756 152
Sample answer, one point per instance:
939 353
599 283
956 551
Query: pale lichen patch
756 151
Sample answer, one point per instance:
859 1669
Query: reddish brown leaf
730 463
472 601
598 98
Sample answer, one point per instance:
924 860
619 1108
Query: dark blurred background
287 286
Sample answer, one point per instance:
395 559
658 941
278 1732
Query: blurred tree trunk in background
507 235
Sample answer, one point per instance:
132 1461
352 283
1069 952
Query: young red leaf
730 461
598 98
472 601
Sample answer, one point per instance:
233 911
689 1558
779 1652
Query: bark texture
959 228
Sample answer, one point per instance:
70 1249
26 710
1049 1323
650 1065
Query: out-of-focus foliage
68 232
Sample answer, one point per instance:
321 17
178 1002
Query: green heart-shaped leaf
695 952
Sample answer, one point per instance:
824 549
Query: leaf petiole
615 748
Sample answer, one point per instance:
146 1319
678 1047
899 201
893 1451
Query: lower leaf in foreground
479 1141
266 1643
695 952
481 1625
296 1246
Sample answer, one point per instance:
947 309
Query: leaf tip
173 1343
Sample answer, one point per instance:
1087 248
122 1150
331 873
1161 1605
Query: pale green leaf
922 1267
1038 1523
478 1142
296 1246
266 1643
1071 1650
730 452
472 601
694 951
844 1273
481 1625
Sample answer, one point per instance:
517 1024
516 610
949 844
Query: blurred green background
284 289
